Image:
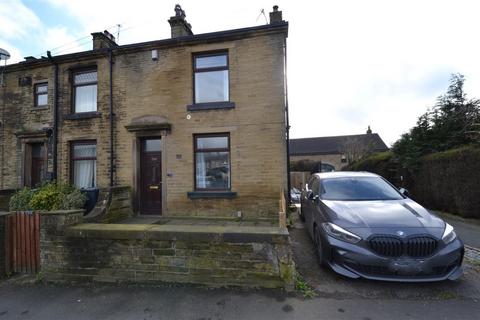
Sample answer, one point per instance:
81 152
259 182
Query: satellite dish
4 55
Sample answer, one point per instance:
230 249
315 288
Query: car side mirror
309 195
404 192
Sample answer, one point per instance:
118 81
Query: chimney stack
369 131
180 26
275 16
102 40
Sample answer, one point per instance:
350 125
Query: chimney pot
275 15
178 24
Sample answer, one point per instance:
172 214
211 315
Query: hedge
381 163
447 181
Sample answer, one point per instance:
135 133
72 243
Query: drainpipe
55 115
110 61
287 122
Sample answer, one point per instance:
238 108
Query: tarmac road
53 302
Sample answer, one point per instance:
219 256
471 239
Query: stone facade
162 88
332 159
213 256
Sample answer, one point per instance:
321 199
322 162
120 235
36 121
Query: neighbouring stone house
334 152
193 124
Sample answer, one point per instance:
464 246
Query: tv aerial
4 55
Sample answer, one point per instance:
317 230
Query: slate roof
335 144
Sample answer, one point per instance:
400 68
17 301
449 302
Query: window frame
196 150
73 158
204 54
36 94
75 86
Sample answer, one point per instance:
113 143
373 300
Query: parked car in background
295 195
362 226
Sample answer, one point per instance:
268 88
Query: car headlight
340 233
449 234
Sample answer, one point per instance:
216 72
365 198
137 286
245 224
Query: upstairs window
212 162
211 77
84 163
41 94
85 91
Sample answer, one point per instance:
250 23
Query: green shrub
73 200
20 200
50 196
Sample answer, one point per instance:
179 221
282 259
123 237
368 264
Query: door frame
27 159
137 149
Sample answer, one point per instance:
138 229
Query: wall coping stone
61 212
234 234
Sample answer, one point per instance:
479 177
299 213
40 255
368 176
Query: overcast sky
350 63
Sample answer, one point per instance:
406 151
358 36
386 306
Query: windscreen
358 189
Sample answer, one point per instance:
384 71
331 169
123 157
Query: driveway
331 285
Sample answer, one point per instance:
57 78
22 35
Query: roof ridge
339 136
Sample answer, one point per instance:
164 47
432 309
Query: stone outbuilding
335 152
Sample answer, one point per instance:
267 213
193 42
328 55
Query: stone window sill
211 106
40 108
211 194
82 115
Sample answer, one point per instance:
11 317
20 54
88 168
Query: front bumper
357 261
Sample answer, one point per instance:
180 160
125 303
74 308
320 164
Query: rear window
358 189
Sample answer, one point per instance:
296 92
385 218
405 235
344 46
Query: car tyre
300 213
319 247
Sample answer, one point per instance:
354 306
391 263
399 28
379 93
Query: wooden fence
22 242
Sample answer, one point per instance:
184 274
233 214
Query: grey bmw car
363 227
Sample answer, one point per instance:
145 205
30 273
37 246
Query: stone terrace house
335 152
193 124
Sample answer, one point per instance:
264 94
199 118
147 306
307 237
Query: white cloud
16 19
15 53
61 41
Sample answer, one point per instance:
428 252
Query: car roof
345 174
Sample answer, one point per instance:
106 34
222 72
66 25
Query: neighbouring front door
37 164
151 176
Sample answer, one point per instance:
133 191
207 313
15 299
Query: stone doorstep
233 234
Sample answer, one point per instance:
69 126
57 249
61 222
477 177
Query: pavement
61 302
336 297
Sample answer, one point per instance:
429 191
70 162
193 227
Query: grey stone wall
212 256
